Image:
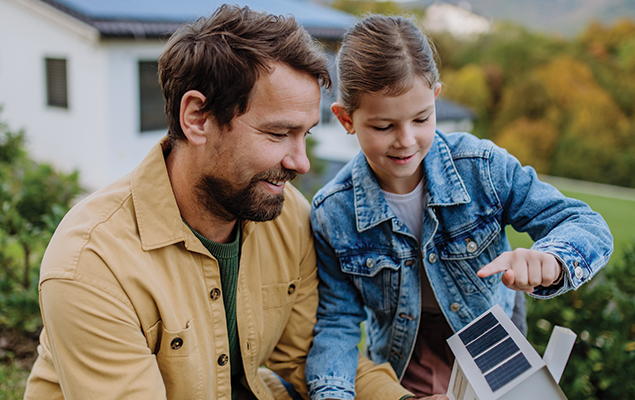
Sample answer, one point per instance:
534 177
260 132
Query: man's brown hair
223 55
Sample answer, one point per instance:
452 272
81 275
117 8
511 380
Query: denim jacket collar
443 184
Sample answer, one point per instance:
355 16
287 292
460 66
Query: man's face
249 165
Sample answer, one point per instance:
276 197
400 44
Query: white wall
99 133
69 138
128 146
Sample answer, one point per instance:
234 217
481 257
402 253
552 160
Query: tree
360 7
531 141
469 86
595 132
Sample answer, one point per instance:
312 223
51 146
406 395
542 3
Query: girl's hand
524 269
434 397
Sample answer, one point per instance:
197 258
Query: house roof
449 110
158 18
494 355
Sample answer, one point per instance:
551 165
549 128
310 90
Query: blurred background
551 81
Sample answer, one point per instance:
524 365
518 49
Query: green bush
602 313
33 199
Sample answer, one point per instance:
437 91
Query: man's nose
297 159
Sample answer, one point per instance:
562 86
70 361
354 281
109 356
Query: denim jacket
369 263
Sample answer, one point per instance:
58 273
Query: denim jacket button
370 262
455 307
579 273
432 258
472 247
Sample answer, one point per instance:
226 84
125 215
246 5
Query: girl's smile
395 133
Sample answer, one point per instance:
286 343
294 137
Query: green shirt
228 257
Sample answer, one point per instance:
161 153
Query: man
181 279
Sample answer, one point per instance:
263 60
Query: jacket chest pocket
468 251
178 360
277 303
377 278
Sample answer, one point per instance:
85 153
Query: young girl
410 234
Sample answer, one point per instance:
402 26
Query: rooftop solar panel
496 355
475 330
487 340
506 372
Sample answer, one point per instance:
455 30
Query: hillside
565 17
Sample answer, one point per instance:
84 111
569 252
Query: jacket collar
158 216
443 184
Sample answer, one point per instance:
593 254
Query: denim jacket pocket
466 252
376 276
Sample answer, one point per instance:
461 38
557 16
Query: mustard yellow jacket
132 306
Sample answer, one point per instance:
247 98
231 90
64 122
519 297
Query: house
459 20
79 76
494 361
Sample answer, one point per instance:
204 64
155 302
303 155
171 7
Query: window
151 103
56 82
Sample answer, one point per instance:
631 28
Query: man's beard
223 200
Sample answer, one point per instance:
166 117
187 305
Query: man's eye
278 135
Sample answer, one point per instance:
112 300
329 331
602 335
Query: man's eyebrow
286 125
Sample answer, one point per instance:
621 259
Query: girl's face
395 133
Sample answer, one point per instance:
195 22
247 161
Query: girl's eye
381 128
422 120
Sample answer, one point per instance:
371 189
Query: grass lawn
618 210
12 381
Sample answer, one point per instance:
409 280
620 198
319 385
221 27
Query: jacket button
406 316
579 272
223 359
370 262
471 247
291 289
215 294
176 343
432 258
455 307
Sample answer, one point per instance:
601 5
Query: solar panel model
495 361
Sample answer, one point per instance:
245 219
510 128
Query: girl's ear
193 119
344 117
437 90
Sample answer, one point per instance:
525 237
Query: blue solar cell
496 355
507 372
486 341
478 328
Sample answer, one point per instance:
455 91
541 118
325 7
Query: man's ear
192 118
344 117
